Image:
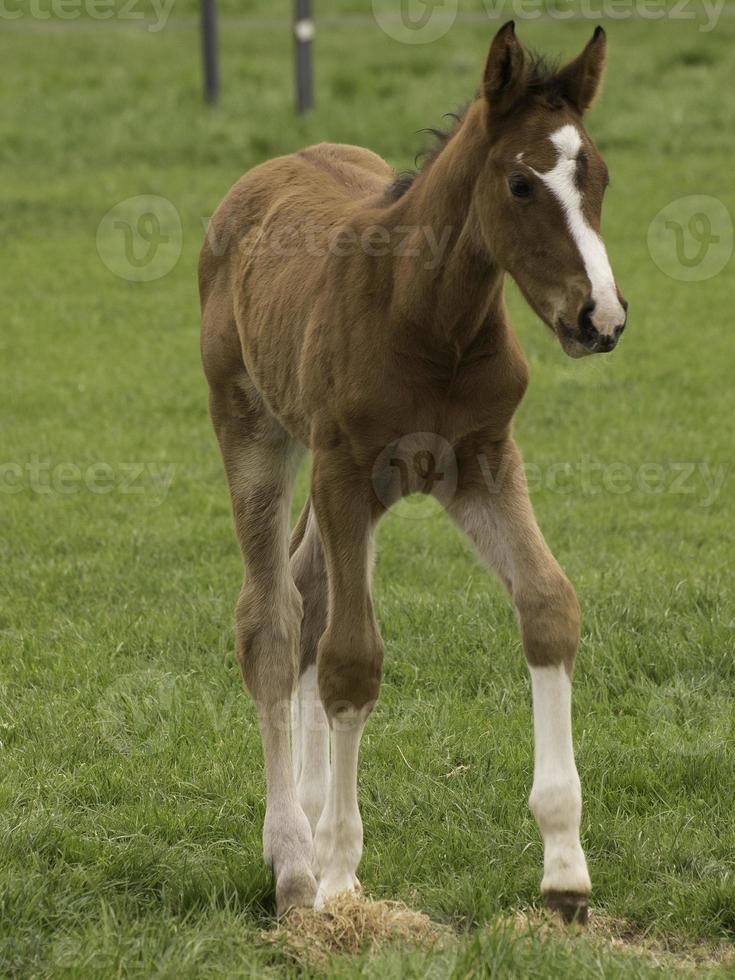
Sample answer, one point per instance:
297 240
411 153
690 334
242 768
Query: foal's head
539 196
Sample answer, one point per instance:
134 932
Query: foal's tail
297 535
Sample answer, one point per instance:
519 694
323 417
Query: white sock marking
287 841
556 797
311 747
561 182
338 839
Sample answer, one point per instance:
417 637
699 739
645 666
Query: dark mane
543 82
441 137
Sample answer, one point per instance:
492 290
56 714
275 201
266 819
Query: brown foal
360 315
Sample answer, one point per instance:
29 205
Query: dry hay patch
350 924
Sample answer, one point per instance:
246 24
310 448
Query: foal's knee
350 667
550 622
268 640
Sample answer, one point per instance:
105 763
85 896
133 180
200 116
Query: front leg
493 508
349 659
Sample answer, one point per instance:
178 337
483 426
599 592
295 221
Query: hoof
571 906
295 889
340 885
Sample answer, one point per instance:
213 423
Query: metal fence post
209 51
303 37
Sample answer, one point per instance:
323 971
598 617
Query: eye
520 186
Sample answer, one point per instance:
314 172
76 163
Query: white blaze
561 182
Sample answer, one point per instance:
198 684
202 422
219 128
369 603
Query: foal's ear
505 71
581 79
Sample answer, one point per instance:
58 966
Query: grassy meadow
131 785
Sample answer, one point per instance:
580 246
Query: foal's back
355 171
320 183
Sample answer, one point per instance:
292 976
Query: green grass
131 790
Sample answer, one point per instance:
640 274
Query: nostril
619 329
587 329
585 314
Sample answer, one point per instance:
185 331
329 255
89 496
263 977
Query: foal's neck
452 290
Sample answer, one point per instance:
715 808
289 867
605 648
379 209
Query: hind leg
311 731
261 461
